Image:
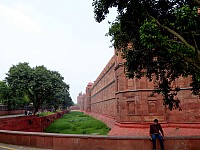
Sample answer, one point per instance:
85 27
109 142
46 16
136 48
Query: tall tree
39 84
60 91
165 37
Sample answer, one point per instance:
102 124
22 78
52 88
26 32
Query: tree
60 91
41 85
165 37
4 90
67 101
12 99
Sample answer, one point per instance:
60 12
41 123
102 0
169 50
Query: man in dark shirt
155 130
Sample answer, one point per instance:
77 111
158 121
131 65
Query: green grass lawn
45 113
78 123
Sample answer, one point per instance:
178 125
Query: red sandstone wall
81 101
29 123
92 142
136 104
25 123
11 112
190 105
75 107
129 100
103 91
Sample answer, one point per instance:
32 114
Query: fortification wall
103 91
129 101
190 112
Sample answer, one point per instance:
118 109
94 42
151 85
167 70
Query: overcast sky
62 35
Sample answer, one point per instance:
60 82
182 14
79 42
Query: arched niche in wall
152 105
130 103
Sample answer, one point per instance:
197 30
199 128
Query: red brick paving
143 130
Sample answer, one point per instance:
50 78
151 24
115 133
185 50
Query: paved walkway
17 147
9 116
140 130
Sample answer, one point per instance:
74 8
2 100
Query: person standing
25 112
156 132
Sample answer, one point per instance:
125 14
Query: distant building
75 107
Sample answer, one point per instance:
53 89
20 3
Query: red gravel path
143 130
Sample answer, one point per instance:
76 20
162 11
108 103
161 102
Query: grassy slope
46 113
78 123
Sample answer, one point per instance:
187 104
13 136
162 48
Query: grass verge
45 113
78 123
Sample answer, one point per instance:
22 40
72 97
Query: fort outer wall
102 92
128 101
93 142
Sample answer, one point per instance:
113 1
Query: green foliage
46 113
38 85
3 91
12 99
78 123
165 39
